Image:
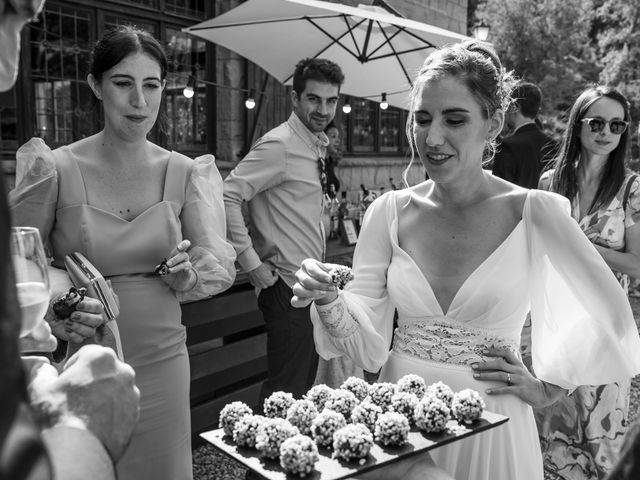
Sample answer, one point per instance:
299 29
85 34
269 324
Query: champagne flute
32 277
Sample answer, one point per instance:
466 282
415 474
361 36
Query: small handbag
83 274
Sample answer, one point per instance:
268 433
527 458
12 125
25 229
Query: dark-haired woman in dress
127 204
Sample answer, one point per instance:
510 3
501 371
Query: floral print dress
581 434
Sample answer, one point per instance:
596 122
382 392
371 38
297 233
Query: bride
463 257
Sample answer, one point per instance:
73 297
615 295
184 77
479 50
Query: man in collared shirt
280 180
522 156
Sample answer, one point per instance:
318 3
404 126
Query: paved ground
208 464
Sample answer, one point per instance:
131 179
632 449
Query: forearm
623 262
76 453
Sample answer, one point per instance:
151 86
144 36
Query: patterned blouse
606 226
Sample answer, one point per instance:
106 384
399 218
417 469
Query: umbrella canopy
377 51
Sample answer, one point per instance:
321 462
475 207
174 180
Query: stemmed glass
32 277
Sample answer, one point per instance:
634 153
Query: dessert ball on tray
404 403
277 404
272 433
352 442
467 405
298 455
391 428
431 414
341 401
246 429
366 413
380 393
357 386
412 383
230 414
325 425
301 413
442 391
319 394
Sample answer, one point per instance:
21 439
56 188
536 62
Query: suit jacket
520 158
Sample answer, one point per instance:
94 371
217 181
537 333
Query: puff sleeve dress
50 195
583 330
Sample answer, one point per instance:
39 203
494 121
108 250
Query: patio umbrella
377 51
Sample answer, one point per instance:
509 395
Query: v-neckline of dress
445 312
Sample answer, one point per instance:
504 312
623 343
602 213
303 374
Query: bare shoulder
510 196
85 147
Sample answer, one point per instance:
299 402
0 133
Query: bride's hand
507 367
313 283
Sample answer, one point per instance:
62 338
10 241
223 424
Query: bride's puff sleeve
204 224
582 327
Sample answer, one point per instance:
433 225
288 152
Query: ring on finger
509 379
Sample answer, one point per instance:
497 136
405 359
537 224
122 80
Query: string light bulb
250 102
384 104
188 90
346 108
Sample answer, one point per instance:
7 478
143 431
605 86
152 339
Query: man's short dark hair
528 98
319 69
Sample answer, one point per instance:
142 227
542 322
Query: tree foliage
564 45
545 42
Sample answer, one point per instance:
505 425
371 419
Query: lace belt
444 341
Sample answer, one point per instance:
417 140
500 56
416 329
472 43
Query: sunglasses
597 124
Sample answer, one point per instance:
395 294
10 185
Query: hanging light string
250 101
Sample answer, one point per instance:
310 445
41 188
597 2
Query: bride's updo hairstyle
477 66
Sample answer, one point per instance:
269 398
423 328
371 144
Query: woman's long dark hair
565 177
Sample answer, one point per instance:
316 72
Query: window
59 59
368 129
363 125
186 116
186 8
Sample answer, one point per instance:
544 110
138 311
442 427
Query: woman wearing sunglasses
583 432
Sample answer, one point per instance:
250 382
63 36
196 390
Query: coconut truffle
431 414
319 394
277 404
412 383
380 393
301 414
272 433
352 442
366 413
442 391
391 428
230 414
325 425
340 276
298 455
357 386
404 403
246 429
341 401
467 405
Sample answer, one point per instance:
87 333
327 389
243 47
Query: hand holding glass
32 278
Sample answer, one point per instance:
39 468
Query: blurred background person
521 156
334 155
136 204
582 434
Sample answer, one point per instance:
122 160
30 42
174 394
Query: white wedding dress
583 330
